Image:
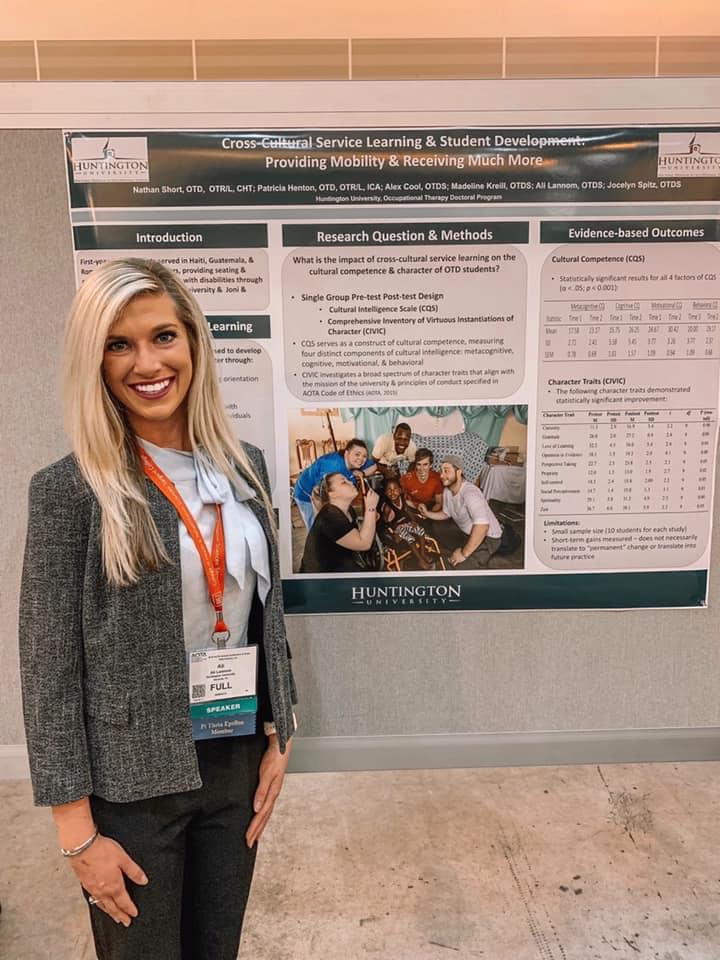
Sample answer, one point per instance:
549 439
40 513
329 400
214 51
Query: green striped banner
223 708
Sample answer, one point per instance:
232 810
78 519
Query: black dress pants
192 848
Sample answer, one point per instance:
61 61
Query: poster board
360 277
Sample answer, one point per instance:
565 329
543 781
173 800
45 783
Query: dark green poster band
417 166
580 591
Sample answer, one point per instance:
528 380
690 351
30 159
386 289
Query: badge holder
223 685
223 682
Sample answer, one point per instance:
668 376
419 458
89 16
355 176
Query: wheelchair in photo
386 553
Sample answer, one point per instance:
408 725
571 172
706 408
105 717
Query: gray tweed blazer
104 668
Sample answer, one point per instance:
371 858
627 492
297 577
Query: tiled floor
541 863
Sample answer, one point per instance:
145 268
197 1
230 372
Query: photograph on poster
406 489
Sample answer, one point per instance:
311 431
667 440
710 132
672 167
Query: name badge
223 692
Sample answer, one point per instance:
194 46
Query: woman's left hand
272 773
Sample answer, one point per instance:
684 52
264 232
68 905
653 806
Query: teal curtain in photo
487 422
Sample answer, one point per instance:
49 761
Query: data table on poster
627 405
629 461
596 330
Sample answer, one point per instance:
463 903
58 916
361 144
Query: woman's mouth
154 390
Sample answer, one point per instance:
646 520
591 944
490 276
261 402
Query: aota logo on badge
686 154
110 159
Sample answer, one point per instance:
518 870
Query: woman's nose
147 360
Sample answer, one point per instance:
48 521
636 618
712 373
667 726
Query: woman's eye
167 336
115 346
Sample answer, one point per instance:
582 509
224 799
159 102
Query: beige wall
306 427
138 19
315 428
514 434
329 40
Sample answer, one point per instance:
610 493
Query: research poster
482 363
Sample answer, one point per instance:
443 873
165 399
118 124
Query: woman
335 536
151 559
353 463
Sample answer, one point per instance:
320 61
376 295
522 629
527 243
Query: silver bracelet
76 851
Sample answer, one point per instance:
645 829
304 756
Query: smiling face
402 439
147 366
449 475
355 457
422 469
393 491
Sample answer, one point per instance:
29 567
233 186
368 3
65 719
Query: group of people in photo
361 507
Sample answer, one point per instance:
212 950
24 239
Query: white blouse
247 561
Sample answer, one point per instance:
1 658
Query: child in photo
400 525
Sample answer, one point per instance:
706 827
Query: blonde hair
101 438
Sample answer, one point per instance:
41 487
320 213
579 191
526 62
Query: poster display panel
535 392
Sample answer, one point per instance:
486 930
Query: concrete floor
541 863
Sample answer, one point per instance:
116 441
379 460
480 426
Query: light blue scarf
243 533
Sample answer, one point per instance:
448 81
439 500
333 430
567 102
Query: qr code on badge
198 691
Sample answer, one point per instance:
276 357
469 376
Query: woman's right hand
101 870
371 500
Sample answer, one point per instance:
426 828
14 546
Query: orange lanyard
213 561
